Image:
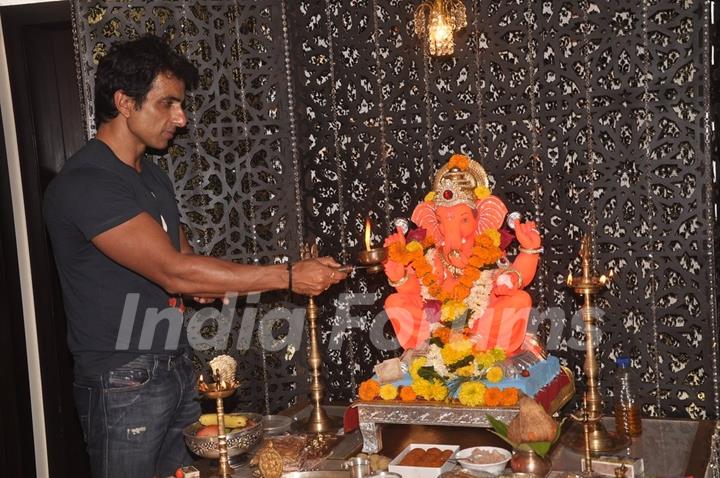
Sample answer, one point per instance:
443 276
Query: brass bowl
238 442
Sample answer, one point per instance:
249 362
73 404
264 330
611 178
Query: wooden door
46 100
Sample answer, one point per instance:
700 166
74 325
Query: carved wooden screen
590 116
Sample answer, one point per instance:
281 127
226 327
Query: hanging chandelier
438 20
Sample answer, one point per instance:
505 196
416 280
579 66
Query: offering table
669 447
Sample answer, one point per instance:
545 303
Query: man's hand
314 276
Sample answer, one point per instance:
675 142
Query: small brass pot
527 461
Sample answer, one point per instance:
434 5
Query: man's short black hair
131 67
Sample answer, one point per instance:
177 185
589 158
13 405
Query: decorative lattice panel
588 115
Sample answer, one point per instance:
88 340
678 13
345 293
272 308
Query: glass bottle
627 409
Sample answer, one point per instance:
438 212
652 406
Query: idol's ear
424 216
490 213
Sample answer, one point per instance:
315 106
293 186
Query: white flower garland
479 296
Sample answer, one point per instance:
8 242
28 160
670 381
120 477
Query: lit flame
603 279
569 278
368 231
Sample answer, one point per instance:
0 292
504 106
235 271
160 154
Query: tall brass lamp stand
599 439
319 421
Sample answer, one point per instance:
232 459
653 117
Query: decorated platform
373 413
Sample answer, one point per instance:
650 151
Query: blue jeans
133 416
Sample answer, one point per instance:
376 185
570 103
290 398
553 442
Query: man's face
154 123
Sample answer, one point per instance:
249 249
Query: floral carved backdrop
590 117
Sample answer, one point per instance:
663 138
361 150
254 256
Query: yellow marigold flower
485 359
456 350
438 391
472 394
494 235
498 354
481 192
415 366
413 246
388 391
466 371
494 374
422 388
452 309
429 197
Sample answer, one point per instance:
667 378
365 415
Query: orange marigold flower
442 333
484 240
428 280
407 394
493 396
476 261
421 269
472 273
510 397
467 280
460 292
369 390
396 253
459 161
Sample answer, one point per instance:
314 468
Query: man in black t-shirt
119 247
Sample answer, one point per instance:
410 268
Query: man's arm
185 247
141 245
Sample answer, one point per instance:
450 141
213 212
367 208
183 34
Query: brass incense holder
319 421
218 391
598 438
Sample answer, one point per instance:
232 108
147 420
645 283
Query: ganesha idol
460 304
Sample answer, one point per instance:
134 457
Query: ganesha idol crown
460 181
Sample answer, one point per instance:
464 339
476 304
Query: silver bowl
238 442
276 424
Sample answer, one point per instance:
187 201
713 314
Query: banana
235 421
231 421
208 419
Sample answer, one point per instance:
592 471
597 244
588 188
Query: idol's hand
398 237
506 283
314 276
394 270
527 235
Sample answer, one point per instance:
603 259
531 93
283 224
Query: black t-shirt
93 193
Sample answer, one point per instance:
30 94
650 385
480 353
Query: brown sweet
531 424
431 458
